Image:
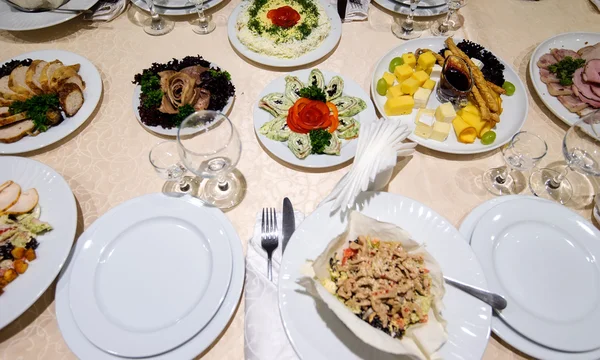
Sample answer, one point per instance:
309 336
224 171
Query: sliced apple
9 196
27 201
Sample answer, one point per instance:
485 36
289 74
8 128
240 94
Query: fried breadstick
495 118
495 88
477 75
485 112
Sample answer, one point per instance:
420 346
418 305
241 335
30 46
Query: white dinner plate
316 333
399 7
540 256
512 119
15 20
328 44
59 210
93 90
84 349
573 41
178 265
499 327
172 11
424 3
280 149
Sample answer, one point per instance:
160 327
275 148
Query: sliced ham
584 88
560 54
591 71
585 99
596 90
195 72
590 52
556 89
546 60
547 77
572 103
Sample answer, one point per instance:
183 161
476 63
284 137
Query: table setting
299 179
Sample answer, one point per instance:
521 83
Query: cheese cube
421 97
409 59
389 78
403 72
440 131
477 63
420 76
423 131
394 92
399 105
429 84
445 113
436 71
410 86
425 117
428 71
426 60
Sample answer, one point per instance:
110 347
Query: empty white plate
150 277
541 256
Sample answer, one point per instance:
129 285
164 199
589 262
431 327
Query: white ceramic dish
175 11
424 3
499 327
540 255
154 308
84 349
399 7
316 333
15 20
512 119
328 44
58 208
91 94
280 149
573 41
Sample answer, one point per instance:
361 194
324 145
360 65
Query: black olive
12 217
5 251
33 243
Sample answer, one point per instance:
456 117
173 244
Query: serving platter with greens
166 93
312 118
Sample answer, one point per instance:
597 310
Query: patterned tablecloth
105 162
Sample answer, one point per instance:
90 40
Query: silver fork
269 237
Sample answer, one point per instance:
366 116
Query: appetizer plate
512 118
573 41
328 44
91 95
502 329
84 349
15 20
399 7
154 309
175 11
57 208
424 3
539 255
280 149
316 333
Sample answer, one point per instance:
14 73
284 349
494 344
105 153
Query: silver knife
289 222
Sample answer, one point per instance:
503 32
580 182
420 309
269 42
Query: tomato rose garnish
306 115
285 16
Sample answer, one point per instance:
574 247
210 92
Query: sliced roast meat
584 88
591 71
17 83
591 102
546 60
203 99
572 103
195 72
586 111
4 111
560 54
4 102
7 93
47 72
15 132
12 119
556 89
181 89
35 69
164 79
71 99
547 77
166 106
590 52
596 90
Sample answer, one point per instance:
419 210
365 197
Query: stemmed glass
448 25
210 147
406 31
581 149
204 25
522 153
156 25
164 157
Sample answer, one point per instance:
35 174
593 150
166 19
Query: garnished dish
36 95
167 93
19 227
313 117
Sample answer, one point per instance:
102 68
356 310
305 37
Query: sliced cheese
475 121
465 133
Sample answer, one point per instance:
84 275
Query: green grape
488 138
382 87
509 87
397 61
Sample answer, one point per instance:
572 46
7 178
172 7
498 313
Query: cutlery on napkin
353 10
106 10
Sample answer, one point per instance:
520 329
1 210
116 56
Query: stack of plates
175 7
424 8
542 257
156 277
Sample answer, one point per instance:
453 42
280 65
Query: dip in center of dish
285 16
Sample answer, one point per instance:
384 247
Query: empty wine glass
164 157
449 24
156 25
522 153
581 149
406 30
204 25
210 147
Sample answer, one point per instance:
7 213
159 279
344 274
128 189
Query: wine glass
448 25
581 149
164 157
210 147
156 25
204 25
522 153
406 30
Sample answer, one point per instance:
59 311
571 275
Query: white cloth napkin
106 10
264 336
356 10
379 146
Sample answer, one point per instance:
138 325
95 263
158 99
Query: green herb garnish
313 92
565 68
37 108
184 111
153 98
310 20
319 140
149 82
216 74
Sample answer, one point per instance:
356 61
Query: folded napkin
356 10
264 336
379 146
106 10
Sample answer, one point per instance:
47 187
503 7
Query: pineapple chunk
394 92
403 72
389 78
420 76
429 84
410 86
402 105
409 59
